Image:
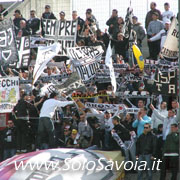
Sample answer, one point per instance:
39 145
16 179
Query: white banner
63 32
108 62
85 54
9 93
45 54
170 48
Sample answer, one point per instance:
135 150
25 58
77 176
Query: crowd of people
35 123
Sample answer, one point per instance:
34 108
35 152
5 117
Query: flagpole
179 78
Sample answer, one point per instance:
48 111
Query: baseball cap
134 17
155 13
116 118
107 111
47 6
62 13
88 10
167 21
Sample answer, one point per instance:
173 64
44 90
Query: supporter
48 14
154 27
127 122
98 133
85 130
121 45
3 10
150 13
142 119
62 16
17 19
21 115
9 140
77 141
76 17
162 34
163 111
45 122
167 14
167 120
112 22
89 15
33 23
103 36
94 42
140 33
171 154
175 105
141 103
146 150
23 30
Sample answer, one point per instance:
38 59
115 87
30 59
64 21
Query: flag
170 48
108 62
45 54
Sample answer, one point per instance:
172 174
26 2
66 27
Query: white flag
170 48
45 54
108 62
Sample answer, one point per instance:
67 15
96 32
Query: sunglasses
145 127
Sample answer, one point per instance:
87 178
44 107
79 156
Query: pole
179 79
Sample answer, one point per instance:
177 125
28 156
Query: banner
9 93
104 107
108 62
165 83
85 54
63 32
45 54
87 72
23 46
8 50
170 48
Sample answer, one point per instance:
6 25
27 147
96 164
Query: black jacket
146 144
34 25
21 108
112 21
49 15
9 138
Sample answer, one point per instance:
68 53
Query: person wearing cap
167 14
46 126
89 15
171 118
62 16
140 32
154 28
48 14
162 35
149 14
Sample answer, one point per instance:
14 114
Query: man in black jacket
146 151
48 14
9 140
34 22
21 122
171 153
17 18
112 22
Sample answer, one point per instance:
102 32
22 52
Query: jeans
148 160
130 154
107 139
46 132
8 153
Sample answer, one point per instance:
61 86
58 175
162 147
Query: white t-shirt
50 105
166 15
